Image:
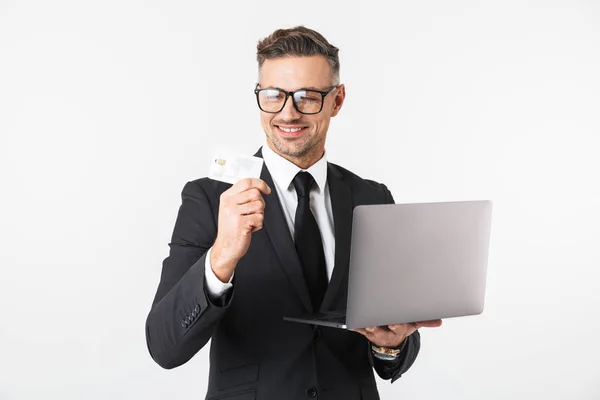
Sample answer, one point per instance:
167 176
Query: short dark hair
298 41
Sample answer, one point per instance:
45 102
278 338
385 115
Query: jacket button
197 309
317 334
194 314
311 392
184 324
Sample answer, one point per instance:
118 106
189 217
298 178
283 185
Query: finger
364 331
250 183
370 332
429 324
382 336
253 222
397 328
247 196
376 330
254 207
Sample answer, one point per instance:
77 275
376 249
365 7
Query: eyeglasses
306 101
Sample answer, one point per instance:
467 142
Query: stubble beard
294 148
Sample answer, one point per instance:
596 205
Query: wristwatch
384 353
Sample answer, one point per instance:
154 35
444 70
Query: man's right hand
241 212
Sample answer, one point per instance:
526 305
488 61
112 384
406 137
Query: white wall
107 108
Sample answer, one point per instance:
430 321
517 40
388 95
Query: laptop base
331 319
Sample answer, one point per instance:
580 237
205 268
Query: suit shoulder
209 186
203 182
359 182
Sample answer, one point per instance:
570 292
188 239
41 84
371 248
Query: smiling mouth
291 131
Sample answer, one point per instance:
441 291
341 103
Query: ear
338 101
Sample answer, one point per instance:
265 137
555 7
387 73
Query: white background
107 108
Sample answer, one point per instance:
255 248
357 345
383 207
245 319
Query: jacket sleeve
394 369
410 347
183 318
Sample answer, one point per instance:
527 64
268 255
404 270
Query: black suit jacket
254 353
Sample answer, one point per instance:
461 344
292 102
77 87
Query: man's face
298 137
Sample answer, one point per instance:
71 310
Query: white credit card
230 169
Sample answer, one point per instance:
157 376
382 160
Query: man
243 256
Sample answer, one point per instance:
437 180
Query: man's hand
241 212
392 336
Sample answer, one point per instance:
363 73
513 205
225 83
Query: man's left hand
392 336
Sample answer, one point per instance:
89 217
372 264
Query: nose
289 112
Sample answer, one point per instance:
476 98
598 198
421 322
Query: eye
308 97
272 94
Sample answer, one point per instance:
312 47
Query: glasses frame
288 94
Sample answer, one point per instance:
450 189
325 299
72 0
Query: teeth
289 130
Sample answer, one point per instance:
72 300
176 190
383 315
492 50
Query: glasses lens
308 101
271 100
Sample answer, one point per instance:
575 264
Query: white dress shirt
283 173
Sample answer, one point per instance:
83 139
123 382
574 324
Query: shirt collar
283 171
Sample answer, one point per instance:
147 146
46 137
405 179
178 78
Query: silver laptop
414 262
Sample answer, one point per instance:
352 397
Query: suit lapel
279 235
341 205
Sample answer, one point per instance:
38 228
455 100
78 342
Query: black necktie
308 241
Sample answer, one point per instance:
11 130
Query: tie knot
303 182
